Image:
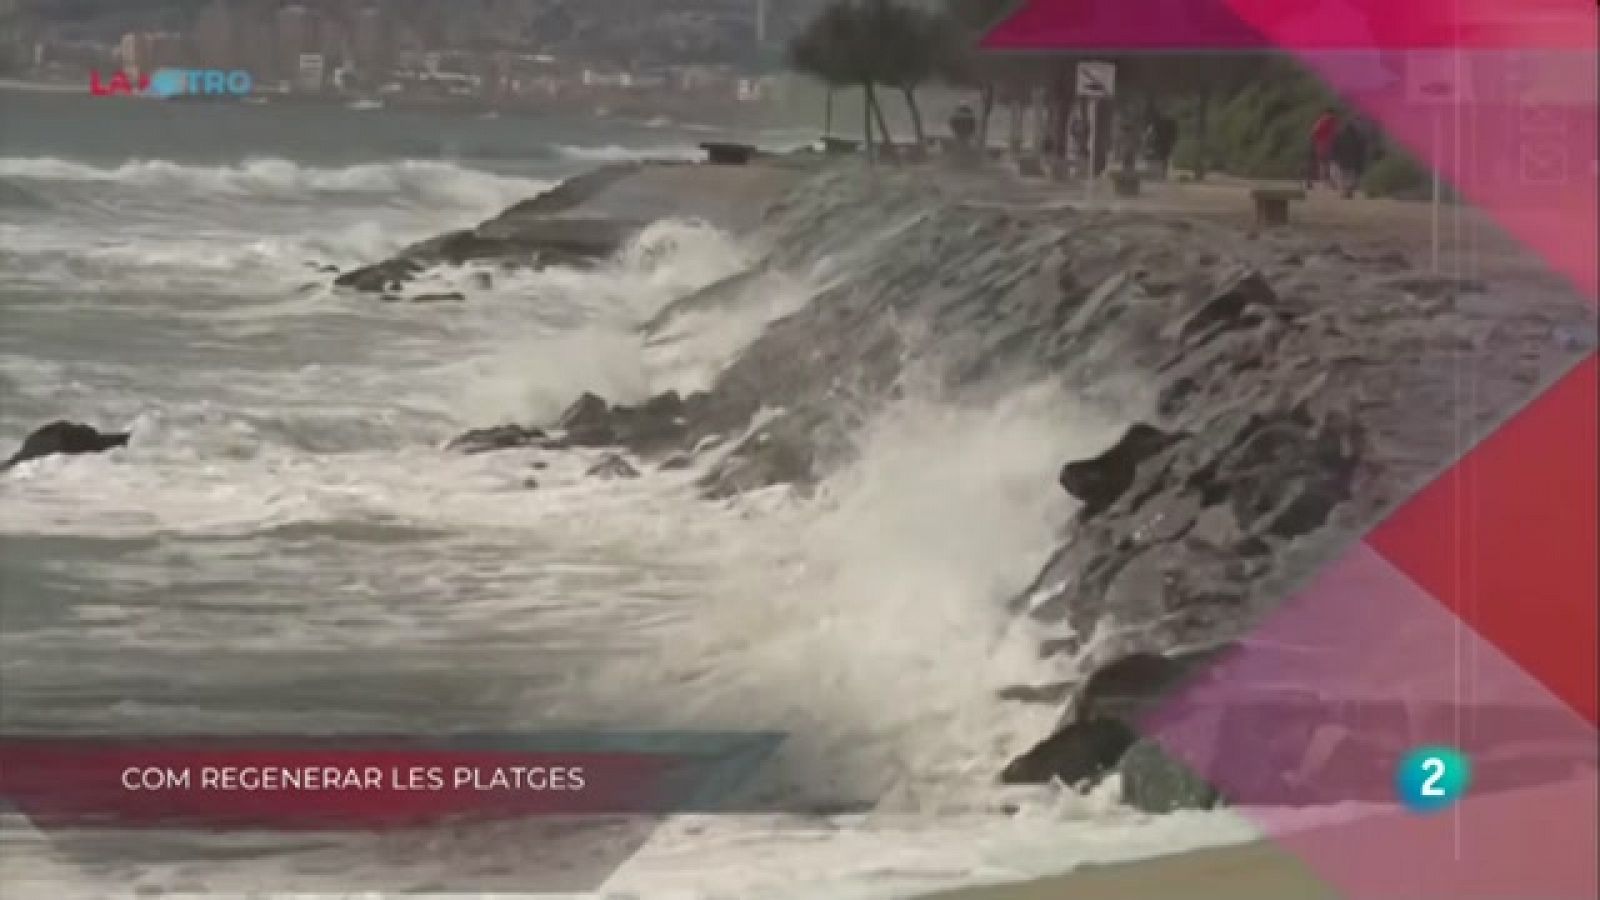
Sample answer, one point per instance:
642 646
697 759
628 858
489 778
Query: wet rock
65 438
613 468
530 484
385 276
781 453
687 460
1153 782
1435 286
1243 303
490 440
1099 727
678 463
1041 694
588 423
1078 755
451 297
1099 482
657 425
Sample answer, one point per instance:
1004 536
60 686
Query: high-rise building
216 36
299 33
374 42
255 30
145 52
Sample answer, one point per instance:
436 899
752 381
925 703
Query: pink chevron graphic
1478 594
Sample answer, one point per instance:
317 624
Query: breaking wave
422 182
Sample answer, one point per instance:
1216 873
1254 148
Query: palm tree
913 48
834 49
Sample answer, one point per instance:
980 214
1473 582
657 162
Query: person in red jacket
1323 132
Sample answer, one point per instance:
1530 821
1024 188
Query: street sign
1097 79
1438 77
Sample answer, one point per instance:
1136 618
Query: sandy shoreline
1257 871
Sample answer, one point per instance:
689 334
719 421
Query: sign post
1096 82
1434 78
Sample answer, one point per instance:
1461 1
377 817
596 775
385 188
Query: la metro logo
174 83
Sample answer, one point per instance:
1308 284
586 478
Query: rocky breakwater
538 232
588 218
1279 392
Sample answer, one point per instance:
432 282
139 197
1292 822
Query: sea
287 548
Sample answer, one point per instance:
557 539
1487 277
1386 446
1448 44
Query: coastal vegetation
1243 114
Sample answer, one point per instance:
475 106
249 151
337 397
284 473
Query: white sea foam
620 153
416 181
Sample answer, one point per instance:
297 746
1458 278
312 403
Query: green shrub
1395 175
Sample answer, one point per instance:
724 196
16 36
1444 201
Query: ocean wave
619 153
407 181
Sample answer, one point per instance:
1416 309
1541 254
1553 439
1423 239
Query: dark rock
65 438
1099 482
1046 694
1078 755
483 281
504 437
678 463
727 154
1393 261
613 468
1123 687
1434 286
385 276
530 484
588 422
1153 782
1099 728
1245 302
656 425
780 453
452 297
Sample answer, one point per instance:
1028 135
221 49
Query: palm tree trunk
883 123
866 123
916 116
828 114
986 96
1202 137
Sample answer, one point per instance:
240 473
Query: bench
720 154
833 146
1272 204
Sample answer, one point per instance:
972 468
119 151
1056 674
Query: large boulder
502 437
588 422
65 438
388 275
659 425
1099 482
613 467
1099 727
1079 755
1153 782
783 452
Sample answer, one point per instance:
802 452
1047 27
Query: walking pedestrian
1323 131
1350 155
